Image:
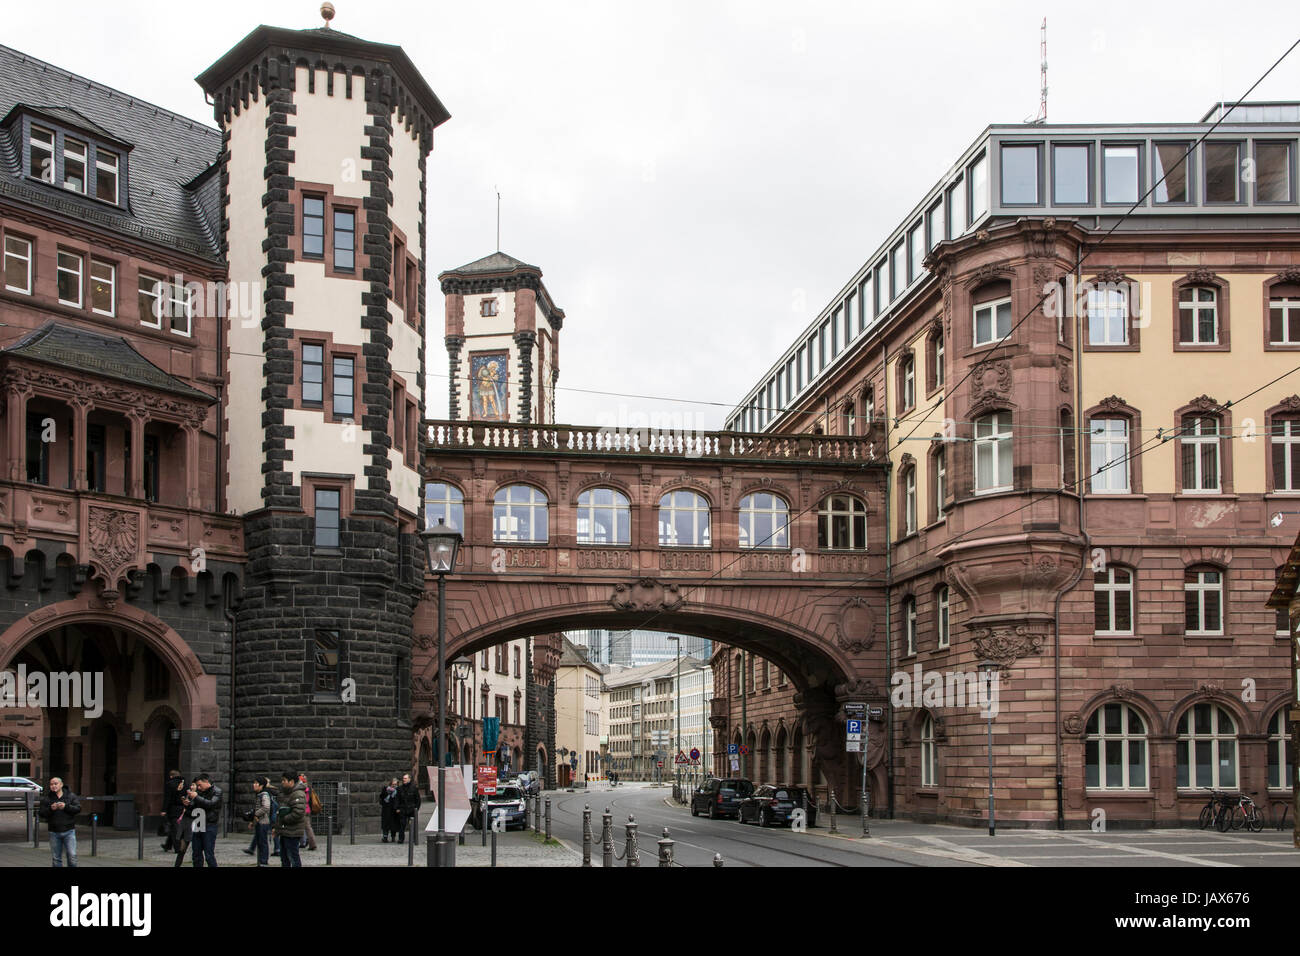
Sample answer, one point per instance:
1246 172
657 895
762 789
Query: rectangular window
916 252
38 450
1198 316
799 364
978 178
1272 172
96 458
313 227
345 240
1200 454
956 209
327 517
1107 317
69 275
150 299
1113 601
18 265
150 464
848 319
898 272
1110 455
993 452
1286 456
864 303
103 286
343 388
1203 600
180 307
1119 174
835 332
1284 321
40 155
908 397
74 165
992 321
313 374
1019 175
488 308
934 233
882 286
399 268
1172 172
1222 172
823 345
326 661
106 176
1071 174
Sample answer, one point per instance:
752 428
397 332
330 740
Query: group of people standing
399 804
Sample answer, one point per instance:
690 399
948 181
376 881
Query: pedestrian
59 809
291 818
261 823
408 806
205 819
388 809
313 806
171 809
272 836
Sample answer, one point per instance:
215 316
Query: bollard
410 850
329 840
665 850
528 808
94 833
717 859
483 820
632 854
460 838
32 823
833 830
586 835
537 813
139 850
866 811
548 818
494 847
606 838
352 826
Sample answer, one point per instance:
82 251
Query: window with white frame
1198 315
69 278
1207 748
869 406
443 502
15 759
1112 596
1203 601
40 154
151 297
941 616
106 176
909 501
18 265
1109 442
1199 445
979 187
938 361
1281 772
1284 320
74 165
1107 317
764 521
940 482
519 515
1115 749
907 396
604 517
909 625
683 520
929 754
842 524
993 452
1284 442
992 321
103 287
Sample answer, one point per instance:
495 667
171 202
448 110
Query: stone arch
1076 724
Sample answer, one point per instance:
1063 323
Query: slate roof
496 262
169 154
109 356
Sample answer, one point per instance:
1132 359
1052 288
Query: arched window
1207 748
683 520
764 521
15 759
929 754
842 524
519 516
1281 774
993 452
444 501
942 601
604 517
909 625
1115 749
1203 600
1112 594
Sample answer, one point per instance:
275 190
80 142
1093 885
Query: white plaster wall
330 135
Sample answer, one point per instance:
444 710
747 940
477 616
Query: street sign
853 746
660 764
487 781
855 708
744 750
854 728
680 758
875 712
735 764
695 753
733 749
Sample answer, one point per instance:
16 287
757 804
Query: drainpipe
889 589
234 642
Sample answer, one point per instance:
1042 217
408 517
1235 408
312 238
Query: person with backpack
291 818
388 810
251 816
261 821
313 806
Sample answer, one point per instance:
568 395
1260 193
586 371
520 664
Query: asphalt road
696 839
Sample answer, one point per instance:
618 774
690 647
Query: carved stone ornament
1202 277
1204 404
1113 403
856 688
1289 276
1063 374
425 642
1073 724
855 628
1211 690
114 542
1005 645
1291 403
647 594
1111 275
990 379
1121 691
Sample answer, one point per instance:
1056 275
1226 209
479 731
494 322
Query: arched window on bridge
764 522
683 520
444 501
519 515
604 517
842 524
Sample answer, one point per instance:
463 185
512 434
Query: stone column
193 498
80 417
135 480
454 344
524 341
16 395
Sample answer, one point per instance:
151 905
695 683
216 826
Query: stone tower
323 173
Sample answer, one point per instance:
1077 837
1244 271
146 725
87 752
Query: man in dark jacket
171 808
408 806
205 817
59 808
291 821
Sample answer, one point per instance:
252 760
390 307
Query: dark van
720 797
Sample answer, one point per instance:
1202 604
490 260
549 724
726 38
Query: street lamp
678 708
460 671
441 546
988 668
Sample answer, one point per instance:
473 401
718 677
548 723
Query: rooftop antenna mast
498 192
1042 96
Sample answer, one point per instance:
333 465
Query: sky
696 180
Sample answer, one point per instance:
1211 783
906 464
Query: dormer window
41 154
106 176
79 157
74 166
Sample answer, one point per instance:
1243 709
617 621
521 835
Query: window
327 661
500 650
1107 316
443 502
150 299
1283 623
882 286
1172 172
868 407
1019 175
1222 172
1285 445
344 387
1200 454
909 501
992 321
106 176
1066 431
764 521
103 285
993 452
40 154
488 308
907 382
683 520
1198 316
345 226
313 227
1116 739
1280 771
69 276
38 449
1207 748
313 374
956 209
909 626
74 165
939 374
1283 316
842 524
1109 455
519 515
15 759
1112 598
1121 181
1071 174
604 517
916 252
180 307
940 470
941 616
1272 172
1203 600
934 229
18 265
979 188
929 754
327 517
96 458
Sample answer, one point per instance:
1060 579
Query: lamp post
441 546
988 669
677 748
460 671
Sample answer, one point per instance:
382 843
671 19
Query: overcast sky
697 179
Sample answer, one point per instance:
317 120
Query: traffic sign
680 758
854 728
660 764
744 750
733 748
875 712
695 753
853 746
855 708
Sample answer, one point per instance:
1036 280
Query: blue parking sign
854 726
733 748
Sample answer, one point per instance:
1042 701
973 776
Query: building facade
577 717
643 707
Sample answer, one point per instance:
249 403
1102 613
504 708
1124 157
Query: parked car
509 799
776 804
13 792
720 796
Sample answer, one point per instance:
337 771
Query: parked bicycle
1241 811
1214 810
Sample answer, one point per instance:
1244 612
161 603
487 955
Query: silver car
13 792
